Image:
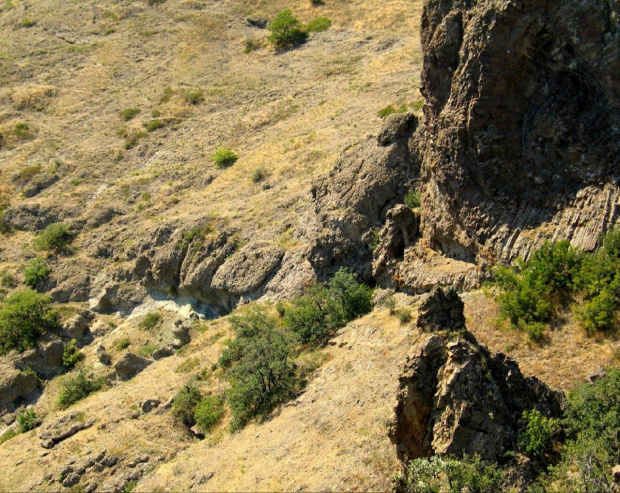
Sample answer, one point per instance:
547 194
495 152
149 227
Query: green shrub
26 421
78 387
403 315
130 113
258 365
147 350
184 405
599 312
150 321
223 158
70 355
24 317
318 24
413 199
536 439
28 22
445 474
8 280
387 111
56 237
123 344
209 412
286 31
153 125
315 316
22 131
194 97
258 174
535 331
252 44
7 435
132 141
36 272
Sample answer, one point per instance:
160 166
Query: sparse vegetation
252 44
8 280
258 174
150 321
130 113
74 388
70 355
153 125
286 31
36 272
194 97
22 131
223 158
26 421
318 24
413 199
24 317
147 350
123 344
56 237
132 141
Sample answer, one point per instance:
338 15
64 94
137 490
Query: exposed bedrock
522 124
455 396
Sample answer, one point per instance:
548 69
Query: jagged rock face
352 202
522 124
455 397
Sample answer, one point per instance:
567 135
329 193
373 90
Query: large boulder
15 387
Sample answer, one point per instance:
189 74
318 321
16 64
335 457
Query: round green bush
209 412
224 158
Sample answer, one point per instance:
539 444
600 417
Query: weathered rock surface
521 123
66 426
352 202
130 365
455 396
45 360
15 386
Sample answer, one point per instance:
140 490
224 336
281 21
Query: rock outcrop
522 123
351 204
455 396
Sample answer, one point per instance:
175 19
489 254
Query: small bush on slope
24 317
78 387
36 272
56 237
286 31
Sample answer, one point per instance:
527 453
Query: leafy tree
286 30
259 367
315 316
591 423
36 272
24 317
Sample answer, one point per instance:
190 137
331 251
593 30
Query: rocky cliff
522 124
